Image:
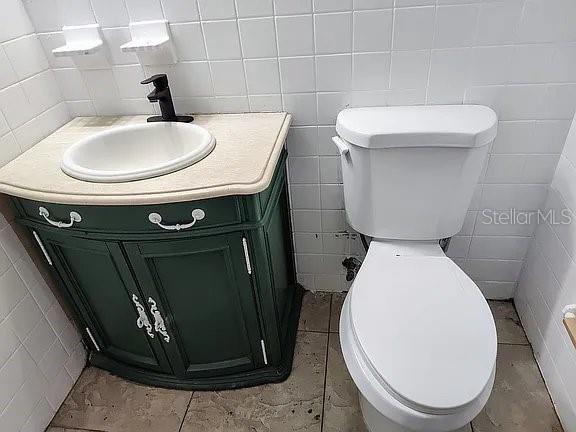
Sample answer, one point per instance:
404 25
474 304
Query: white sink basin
137 152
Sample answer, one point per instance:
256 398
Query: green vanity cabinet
205 298
206 295
105 297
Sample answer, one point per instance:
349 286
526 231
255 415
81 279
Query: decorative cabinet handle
142 320
197 215
74 217
159 324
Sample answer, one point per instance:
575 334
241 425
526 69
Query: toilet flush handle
342 146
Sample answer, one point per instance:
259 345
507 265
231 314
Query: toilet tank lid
418 126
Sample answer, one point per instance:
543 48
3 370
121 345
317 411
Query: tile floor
318 396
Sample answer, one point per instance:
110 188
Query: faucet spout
156 96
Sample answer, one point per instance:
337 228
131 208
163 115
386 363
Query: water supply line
352 265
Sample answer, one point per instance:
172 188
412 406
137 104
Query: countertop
248 147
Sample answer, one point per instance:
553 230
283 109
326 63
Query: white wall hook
151 42
85 45
569 319
569 311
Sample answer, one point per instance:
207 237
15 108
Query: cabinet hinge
44 251
92 339
264 351
247 255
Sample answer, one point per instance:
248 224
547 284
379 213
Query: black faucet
162 95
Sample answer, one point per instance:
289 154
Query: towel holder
569 318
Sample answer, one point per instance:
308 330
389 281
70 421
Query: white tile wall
547 284
40 351
315 57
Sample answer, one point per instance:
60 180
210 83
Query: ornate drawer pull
159 324
197 215
142 320
74 217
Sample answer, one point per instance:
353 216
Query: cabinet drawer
185 216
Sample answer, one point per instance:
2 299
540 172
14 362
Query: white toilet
417 334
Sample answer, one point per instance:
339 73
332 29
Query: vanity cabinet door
100 284
204 298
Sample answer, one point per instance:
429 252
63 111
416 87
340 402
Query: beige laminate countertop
248 147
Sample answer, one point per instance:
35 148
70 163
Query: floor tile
519 401
104 402
294 405
508 325
341 406
337 302
315 313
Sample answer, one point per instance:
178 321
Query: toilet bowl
417 335
418 339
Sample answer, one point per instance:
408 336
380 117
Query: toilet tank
410 172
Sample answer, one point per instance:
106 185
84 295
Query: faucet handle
160 81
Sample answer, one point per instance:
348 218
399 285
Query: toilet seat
420 334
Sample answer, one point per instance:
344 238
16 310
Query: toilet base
376 422
383 413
